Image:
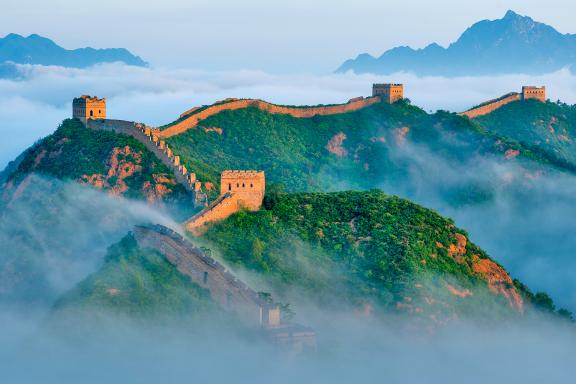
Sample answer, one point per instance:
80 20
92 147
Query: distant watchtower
247 186
530 92
88 108
389 93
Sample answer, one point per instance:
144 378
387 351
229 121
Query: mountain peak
37 49
13 36
511 15
513 44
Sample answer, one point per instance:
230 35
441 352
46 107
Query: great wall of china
229 292
226 290
145 135
191 118
528 92
245 189
239 189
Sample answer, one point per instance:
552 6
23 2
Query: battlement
88 108
248 186
389 93
238 190
191 118
531 92
528 92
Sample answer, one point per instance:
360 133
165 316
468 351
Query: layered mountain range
512 44
358 252
35 49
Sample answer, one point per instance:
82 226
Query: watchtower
247 186
88 108
389 93
531 92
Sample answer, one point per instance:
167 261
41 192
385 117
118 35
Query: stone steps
151 141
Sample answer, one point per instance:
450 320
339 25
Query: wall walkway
491 106
228 291
146 136
190 119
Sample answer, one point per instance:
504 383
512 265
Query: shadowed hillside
550 127
369 252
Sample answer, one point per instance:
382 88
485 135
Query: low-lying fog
33 107
532 238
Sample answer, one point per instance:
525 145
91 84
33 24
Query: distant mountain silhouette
513 44
35 49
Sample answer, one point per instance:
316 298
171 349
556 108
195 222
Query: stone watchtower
531 92
389 93
87 108
247 186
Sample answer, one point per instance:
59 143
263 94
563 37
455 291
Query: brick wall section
145 135
231 293
238 190
220 209
300 112
531 92
248 187
491 106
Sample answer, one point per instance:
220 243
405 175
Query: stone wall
146 136
248 187
389 93
238 190
86 108
301 112
537 93
490 107
225 289
220 209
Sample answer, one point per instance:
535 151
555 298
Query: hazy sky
287 36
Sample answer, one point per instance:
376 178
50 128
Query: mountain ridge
512 44
35 49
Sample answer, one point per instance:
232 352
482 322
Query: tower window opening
229 186
91 113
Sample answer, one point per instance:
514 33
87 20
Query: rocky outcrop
149 138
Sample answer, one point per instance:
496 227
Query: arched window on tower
91 113
229 186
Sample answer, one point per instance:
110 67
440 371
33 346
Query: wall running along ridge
145 135
225 289
246 188
238 190
491 106
301 112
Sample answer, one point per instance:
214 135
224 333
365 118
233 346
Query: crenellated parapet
87 108
528 92
165 153
239 190
192 117
389 93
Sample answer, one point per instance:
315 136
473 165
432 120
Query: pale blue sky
274 36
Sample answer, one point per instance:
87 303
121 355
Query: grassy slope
73 151
358 248
551 127
137 283
294 151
